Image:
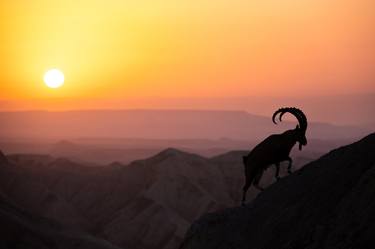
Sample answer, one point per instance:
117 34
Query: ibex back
274 149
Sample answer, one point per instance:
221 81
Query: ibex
274 149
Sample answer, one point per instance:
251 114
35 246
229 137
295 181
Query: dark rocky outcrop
330 203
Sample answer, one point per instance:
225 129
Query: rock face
330 203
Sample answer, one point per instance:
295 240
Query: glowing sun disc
54 78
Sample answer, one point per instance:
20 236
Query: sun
54 78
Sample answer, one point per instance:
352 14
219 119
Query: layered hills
151 203
147 204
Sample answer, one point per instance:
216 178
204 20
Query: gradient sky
165 48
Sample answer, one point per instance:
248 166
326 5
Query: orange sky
166 48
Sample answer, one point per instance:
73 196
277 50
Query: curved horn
282 111
275 114
302 120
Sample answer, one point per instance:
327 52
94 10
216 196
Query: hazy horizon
160 124
349 109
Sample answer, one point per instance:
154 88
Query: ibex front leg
290 165
257 180
277 171
249 180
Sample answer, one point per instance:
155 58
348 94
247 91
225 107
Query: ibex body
273 150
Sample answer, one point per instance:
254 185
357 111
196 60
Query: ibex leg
257 180
247 185
250 176
290 165
277 171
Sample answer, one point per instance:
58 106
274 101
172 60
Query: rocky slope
330 203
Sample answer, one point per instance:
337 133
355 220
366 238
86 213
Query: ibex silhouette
274 149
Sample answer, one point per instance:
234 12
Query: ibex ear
297 127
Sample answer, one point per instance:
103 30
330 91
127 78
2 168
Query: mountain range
147 204
151 203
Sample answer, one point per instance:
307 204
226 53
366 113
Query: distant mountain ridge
171 124
96 151
328 107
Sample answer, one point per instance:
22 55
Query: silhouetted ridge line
327 204
172 152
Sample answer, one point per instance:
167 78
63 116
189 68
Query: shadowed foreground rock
330 203
21 229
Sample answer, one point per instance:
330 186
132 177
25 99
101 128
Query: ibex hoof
290 172
278 178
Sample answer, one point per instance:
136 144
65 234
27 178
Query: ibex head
300 130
